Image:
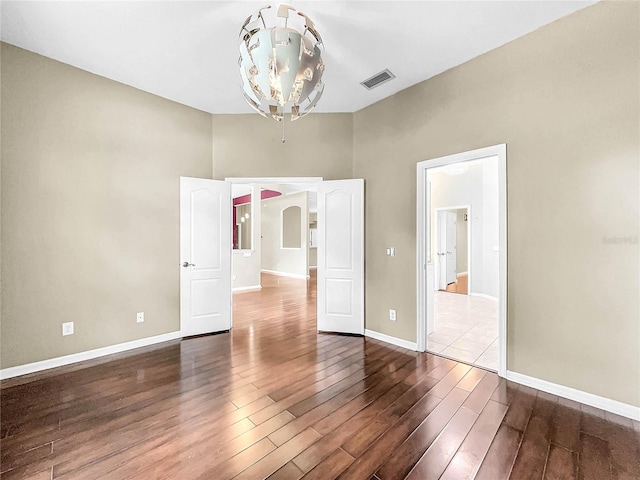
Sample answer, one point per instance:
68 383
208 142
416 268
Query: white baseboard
250 288
597 401
398 342
483 295
285 274
88 355
313 267
461 274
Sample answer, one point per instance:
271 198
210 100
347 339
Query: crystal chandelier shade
281 68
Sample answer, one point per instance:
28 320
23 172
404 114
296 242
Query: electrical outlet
67 328
140 317
392 315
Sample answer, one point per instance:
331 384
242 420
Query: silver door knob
187 264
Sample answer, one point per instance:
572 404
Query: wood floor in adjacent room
276 400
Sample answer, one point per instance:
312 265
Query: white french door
205 256
341 256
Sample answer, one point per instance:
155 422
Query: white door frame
274 180
435 232
423 245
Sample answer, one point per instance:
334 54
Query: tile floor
466 329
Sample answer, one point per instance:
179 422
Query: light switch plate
67 328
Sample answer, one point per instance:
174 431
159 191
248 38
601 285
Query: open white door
441 249
205 256
341 256
446 249
451 248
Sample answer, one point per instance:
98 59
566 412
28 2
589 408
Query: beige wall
313 257
245 269
318 145
90 197
565 100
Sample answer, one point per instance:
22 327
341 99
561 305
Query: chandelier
281 68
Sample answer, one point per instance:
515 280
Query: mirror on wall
242 220
291 227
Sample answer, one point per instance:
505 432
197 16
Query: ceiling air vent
378 79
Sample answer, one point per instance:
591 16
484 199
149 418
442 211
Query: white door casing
340 295
423 244
451 245
205 249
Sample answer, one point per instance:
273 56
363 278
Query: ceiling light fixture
281 68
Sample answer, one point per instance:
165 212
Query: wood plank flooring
274 399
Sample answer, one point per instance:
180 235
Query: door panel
341 256
339 295
205 232
205 246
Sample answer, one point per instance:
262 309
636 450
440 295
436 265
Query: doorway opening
311 230
452 243
462 257
271 231
207 230
273 256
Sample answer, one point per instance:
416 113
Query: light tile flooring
466 329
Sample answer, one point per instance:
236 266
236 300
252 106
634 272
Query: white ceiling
187 51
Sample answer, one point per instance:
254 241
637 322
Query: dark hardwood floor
274 399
